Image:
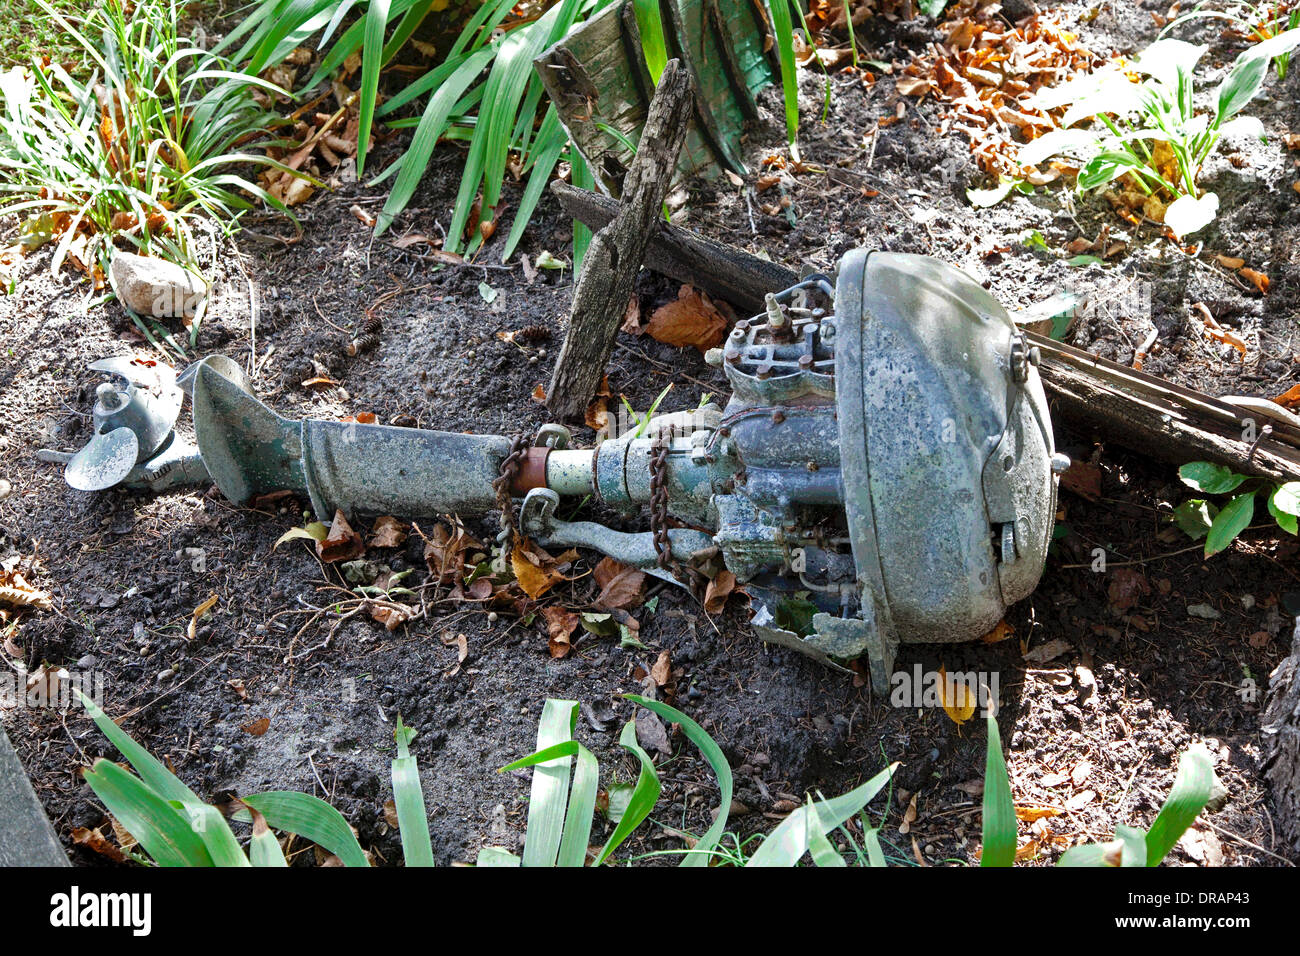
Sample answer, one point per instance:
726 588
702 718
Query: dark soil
1130 689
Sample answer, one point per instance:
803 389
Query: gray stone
155 287
29 839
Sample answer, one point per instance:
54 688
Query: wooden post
613 258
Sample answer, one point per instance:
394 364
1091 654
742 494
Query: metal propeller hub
135 411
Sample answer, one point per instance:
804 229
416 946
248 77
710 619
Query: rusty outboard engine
883 472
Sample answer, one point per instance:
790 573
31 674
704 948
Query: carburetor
883 472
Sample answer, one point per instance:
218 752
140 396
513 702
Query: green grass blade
159 779
582 809
547 147
264 849
716 759
644 795
999 812
408 796
821 849
372 56
162 830
311 818
495 856
432 126
582 177
1187 799
549 794
649 23
871 840
783 32
789 841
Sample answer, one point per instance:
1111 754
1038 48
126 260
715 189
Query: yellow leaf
957 697
1030 814
316 531
535 573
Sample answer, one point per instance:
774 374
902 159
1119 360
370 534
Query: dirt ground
1093 730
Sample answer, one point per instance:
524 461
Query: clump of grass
138 152
490 62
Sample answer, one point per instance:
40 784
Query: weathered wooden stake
613 258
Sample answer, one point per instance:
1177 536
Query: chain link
659 506
507 473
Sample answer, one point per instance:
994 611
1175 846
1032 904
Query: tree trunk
613 259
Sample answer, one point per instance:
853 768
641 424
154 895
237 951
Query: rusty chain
659 505
505 502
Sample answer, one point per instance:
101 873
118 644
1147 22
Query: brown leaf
1001 632
342 543
1230 262
621 586
1258 279
662 669
632 317
539 394
912 86
390 814
1128 586
322 381
94 840
689 320
1083 478
534 569
391 616
258 727
560 625
445 549
597 416
16 591
387 532
199 611
719 589
1030 814
1290 398
651 733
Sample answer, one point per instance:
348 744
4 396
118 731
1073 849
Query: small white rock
156 287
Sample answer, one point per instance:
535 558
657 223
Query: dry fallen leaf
621 586
662 668
258 727
199 611
387 532
1258 279
392 616
1001 631
691 319
1048 651
1230 262
1030 814
719 589
16 591
535 570
445 549
1080 800
342 543
96 841
560 625
957 698
1290 398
